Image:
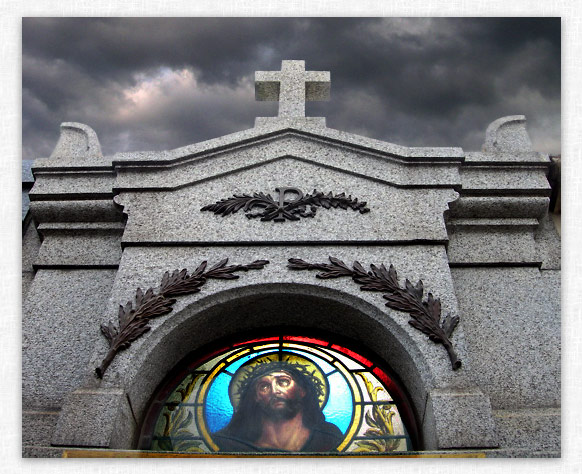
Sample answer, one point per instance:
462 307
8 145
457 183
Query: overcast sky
155 84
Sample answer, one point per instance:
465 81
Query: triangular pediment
391 164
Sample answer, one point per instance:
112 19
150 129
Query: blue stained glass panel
340 405
218 408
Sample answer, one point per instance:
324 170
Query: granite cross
292 86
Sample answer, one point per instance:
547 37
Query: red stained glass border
353 355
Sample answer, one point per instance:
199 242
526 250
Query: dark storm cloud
149 83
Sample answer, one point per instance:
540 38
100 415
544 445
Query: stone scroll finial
292 86
507 134
77 141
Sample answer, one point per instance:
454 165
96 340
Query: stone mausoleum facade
419 286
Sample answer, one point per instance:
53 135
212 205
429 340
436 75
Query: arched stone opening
275 308
450 411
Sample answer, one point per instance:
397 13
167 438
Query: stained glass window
280 394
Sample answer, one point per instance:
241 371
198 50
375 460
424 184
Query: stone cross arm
292 86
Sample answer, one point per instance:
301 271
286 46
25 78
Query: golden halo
307 366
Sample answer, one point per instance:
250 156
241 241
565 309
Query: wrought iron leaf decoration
263 206
426 315
134 319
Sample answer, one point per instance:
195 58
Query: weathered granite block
461 418
499 207
38 427
529 431
492 241
86 183
109 412
80 244
75 211
511 318
41 452
59 331
503 179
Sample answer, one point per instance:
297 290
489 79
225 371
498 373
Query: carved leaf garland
263 206
134 318
425 314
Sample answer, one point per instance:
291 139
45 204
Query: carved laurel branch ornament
263 206
426 315
133 320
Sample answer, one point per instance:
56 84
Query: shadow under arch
274 306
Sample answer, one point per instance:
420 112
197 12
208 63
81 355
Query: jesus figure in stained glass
278 410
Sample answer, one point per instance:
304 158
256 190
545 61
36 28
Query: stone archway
264 306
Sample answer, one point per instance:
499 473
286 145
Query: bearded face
278 395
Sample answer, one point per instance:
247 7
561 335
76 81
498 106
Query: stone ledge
535 430
107 408
86 247
92 210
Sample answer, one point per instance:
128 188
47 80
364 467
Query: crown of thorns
264 367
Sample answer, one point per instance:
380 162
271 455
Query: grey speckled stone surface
497 242
507 134
59 330
499 207
548 244
76 211
106 408
41 452
505 179
92 183
529 432
292 86
473 424
30 246
395 214
97 244
481 157
289 146
38 427
77 140
512 324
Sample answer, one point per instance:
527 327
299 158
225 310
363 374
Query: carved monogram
263 206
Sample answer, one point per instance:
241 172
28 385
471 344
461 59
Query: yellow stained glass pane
372 389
